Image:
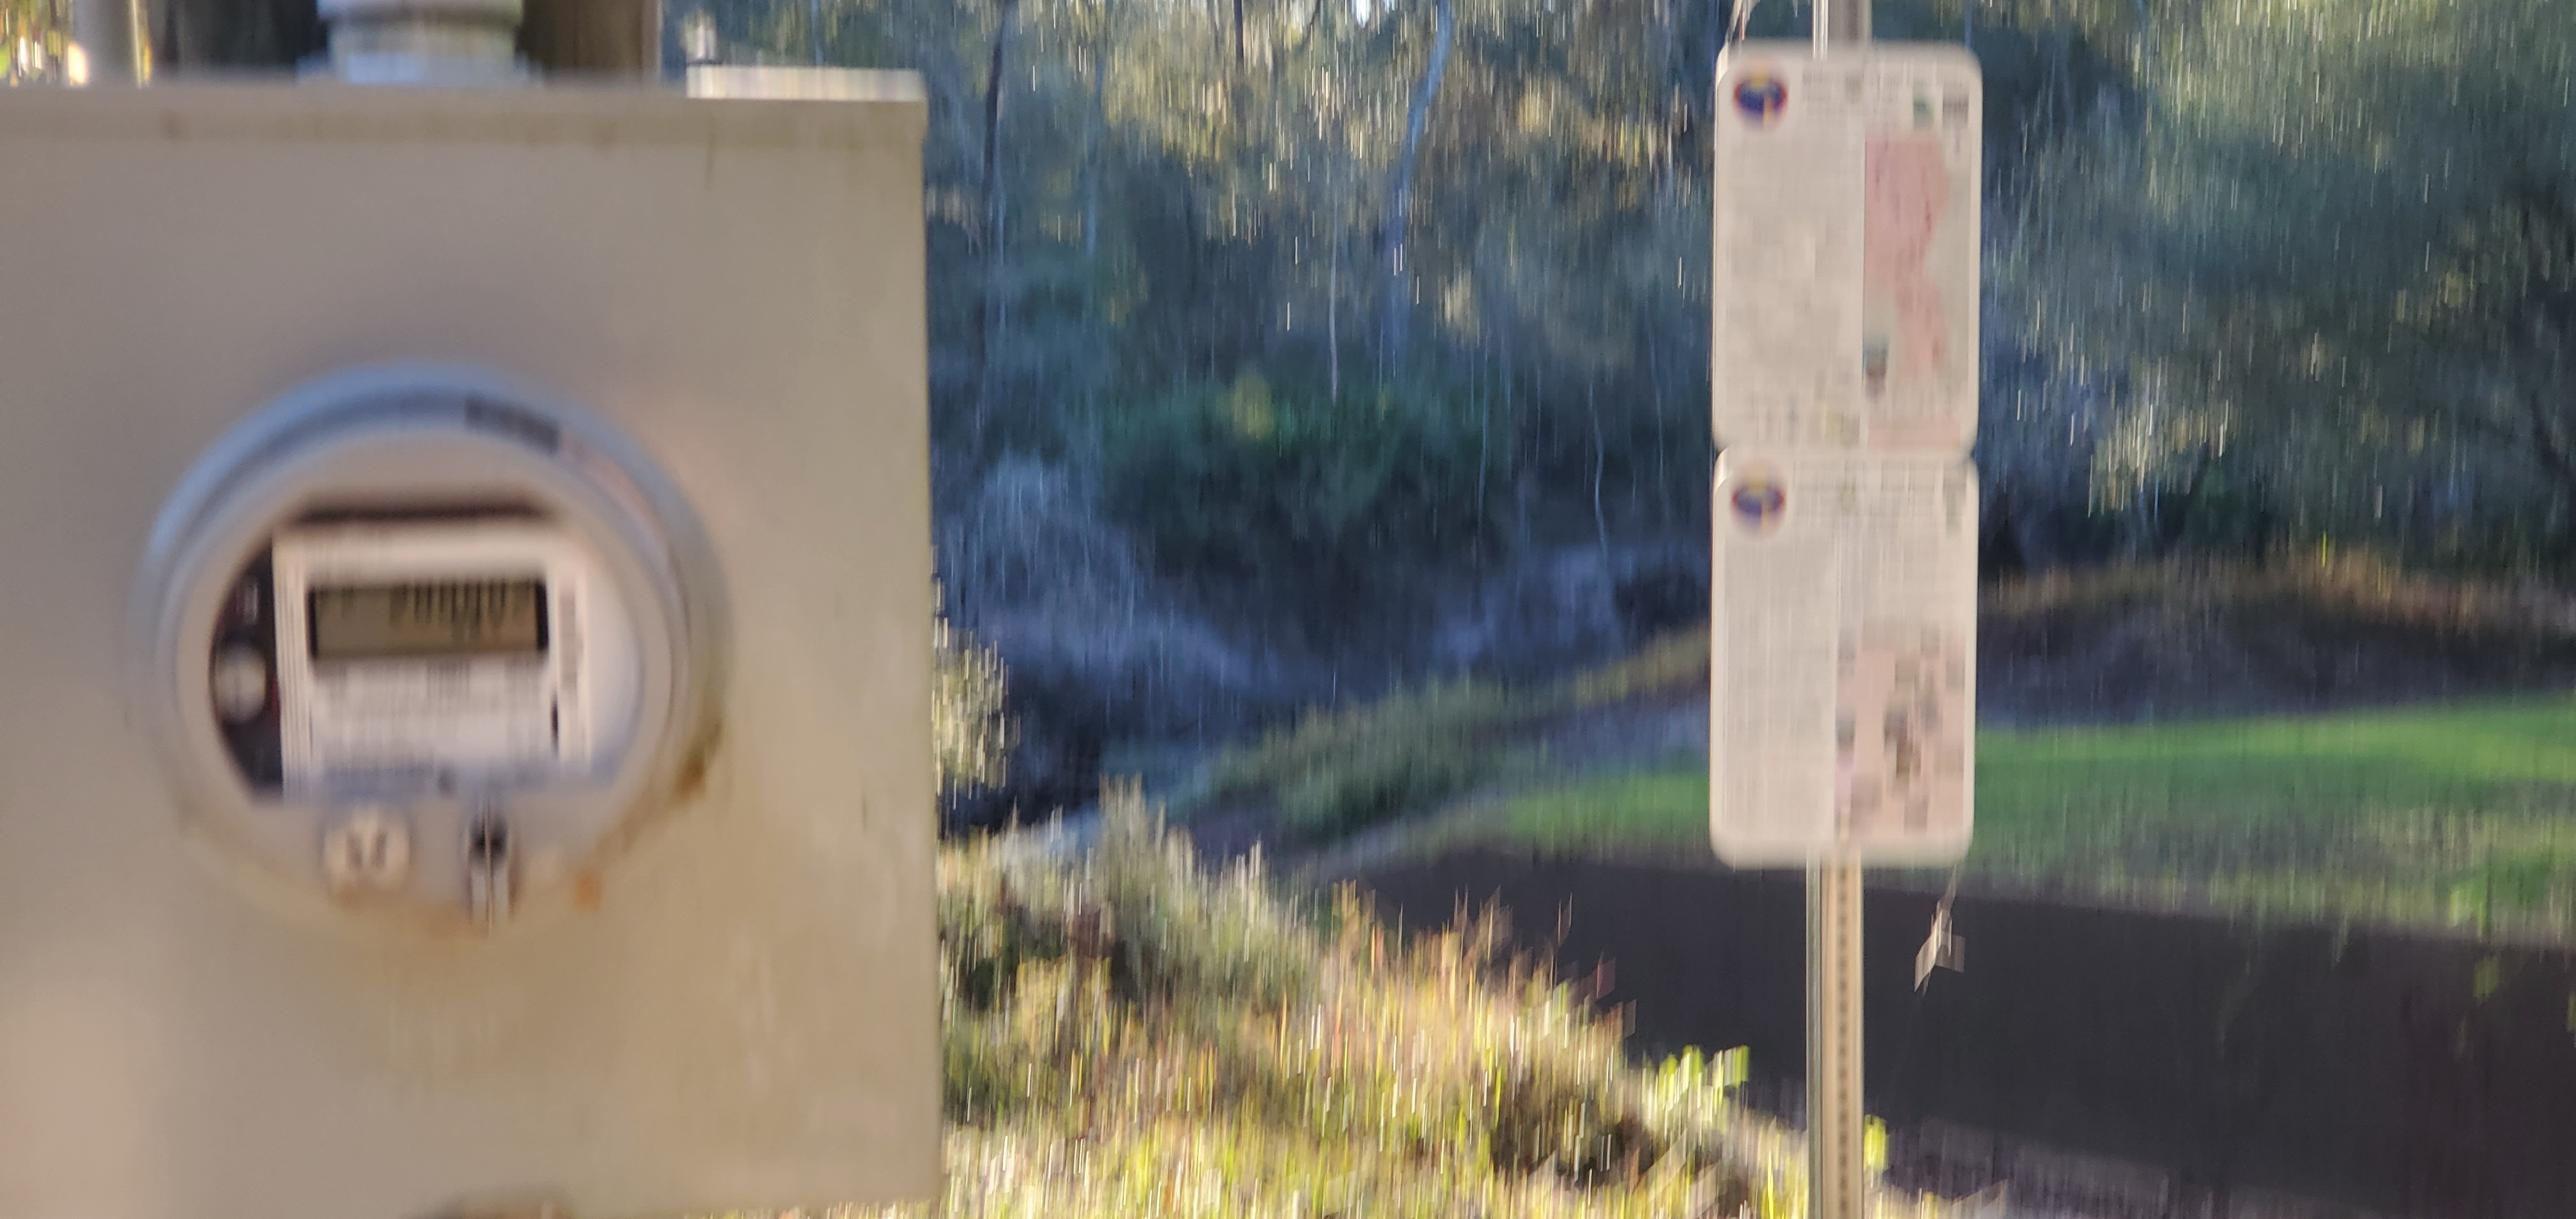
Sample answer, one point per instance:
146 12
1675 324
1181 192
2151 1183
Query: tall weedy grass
1130 1035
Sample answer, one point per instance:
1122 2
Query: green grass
1337 772
1645 808
2462 813
1126 1034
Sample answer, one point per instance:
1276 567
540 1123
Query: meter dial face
386 621
423 655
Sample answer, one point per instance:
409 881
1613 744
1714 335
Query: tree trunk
1333 282
1400 199
993 78
990 236
1663 450
1600 460
1238 35
1720 19
1333 321
1092 124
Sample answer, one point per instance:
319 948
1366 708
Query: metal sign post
1837 1160
1837 1172
1841 23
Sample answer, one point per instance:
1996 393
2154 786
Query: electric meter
465 685
419 642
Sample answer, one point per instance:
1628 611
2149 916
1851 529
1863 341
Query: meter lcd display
446 618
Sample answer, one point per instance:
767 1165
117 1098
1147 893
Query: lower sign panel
1843 661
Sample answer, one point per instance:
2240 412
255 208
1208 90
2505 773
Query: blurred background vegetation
1361 343
35 43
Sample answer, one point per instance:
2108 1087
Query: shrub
970 728
1294 486
1128 1035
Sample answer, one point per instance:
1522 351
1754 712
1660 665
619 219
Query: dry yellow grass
2354 585
1128 1036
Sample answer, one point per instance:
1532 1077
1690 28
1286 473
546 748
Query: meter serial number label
440 618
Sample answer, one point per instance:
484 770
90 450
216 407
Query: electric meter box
464 669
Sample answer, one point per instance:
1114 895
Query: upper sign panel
1844 290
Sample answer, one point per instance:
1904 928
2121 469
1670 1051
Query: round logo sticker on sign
1761 97
1758 500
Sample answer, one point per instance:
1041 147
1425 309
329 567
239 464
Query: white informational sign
1844 290
1842 671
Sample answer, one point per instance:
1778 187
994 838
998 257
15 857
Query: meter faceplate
465 635
441 653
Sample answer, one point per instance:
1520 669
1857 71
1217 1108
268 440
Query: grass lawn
1335 773
2461 813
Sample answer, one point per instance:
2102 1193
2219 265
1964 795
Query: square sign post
1843 567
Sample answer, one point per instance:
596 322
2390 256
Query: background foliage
1360 315
2262 270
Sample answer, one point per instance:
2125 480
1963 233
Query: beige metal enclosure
736 1007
